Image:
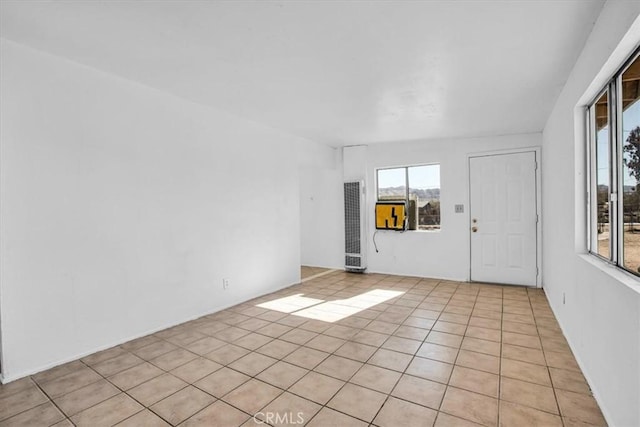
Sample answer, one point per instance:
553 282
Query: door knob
474 229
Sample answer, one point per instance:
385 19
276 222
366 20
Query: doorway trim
538 151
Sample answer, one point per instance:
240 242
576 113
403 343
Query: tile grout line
553 388
458 355
315 276
348 380
272 385
52 402
344 381
404 372
501 353
357 328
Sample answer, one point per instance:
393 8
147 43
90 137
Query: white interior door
503 215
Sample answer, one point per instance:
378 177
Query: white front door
503 216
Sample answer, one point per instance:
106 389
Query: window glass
424 189
392 184
630 132
615 169
603 184
419 188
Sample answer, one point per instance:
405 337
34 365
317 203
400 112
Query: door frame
538 190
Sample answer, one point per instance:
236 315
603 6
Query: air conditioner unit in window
354 227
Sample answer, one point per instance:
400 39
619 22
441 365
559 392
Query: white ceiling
338 72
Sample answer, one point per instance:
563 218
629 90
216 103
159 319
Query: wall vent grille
352 261
353 226
352 217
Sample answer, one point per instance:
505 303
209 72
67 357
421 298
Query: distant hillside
625 188
423 194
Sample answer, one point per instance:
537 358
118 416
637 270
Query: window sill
627 279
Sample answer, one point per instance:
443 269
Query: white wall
321 208
601 313
122 208
445 253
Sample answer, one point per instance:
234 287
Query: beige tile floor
306 271
437 353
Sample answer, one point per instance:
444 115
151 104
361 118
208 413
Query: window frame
593 174
406 182
405 199
613 88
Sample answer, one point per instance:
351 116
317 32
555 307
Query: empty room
322 213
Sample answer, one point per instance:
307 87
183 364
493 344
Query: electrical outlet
225 283
459 208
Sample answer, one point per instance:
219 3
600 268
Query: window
614 156
419 188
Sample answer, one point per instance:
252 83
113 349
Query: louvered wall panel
352 217
353 223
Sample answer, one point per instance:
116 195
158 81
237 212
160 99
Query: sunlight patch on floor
329 311
290 304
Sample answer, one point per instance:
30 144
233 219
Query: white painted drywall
321 205
601 315
122 208
354 167
440 254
